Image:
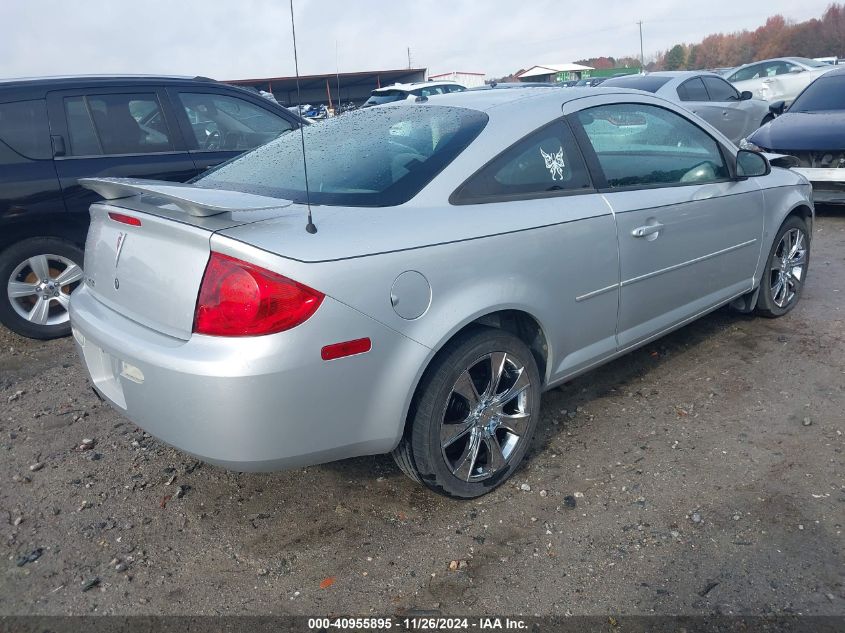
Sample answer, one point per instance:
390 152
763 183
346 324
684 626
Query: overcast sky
235 39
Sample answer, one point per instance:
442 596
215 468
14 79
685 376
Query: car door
122 132
219 125
693 96
734 113
29 187
793 80
570 259
689 234
749 78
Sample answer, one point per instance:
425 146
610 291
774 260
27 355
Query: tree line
818 37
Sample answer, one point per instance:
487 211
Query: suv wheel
39 274
474 415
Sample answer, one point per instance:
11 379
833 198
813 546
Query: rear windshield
649 83
372 157
825 93
388 96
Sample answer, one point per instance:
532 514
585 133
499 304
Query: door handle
648 229
58 143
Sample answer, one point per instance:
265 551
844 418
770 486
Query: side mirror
751 164
745 95
777 107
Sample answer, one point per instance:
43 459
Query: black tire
768 304
419 454
60 254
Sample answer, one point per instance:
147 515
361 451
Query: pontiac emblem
121 240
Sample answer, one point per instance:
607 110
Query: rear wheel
39 274
474 415
786 269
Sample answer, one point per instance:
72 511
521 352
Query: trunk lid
151 273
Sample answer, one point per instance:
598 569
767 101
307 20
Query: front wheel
786 269
474 415
39 274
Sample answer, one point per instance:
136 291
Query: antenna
337 73
310 227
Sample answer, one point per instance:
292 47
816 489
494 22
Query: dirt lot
701 474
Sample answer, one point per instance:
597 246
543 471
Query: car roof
798 60
87 79
678 74
541 97
415 85
37 87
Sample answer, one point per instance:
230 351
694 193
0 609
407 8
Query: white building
468 80
553 72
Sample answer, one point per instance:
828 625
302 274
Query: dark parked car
590 82
812 130
54 131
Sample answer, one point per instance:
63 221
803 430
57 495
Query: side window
639 145
545 161
693 90
116 124
221 122
720 90
432 90
751 72
24 132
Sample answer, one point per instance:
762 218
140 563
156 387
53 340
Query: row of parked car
54 131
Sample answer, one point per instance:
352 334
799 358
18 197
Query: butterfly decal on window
554 163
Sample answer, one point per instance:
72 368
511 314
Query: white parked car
778 79
401 92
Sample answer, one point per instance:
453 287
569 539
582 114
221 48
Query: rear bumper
254 403
828 184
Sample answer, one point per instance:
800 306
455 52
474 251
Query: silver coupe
471 251
735 114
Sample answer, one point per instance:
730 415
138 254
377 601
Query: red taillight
240 299
125 219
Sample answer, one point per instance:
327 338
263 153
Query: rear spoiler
197 201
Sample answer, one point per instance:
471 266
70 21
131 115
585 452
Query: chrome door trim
596 293
654 273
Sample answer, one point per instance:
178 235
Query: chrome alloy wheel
39 288
787 267
487 414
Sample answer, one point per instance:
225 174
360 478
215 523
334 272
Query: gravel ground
701 474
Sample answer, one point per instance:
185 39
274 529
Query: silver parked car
734 114
779 79
471 252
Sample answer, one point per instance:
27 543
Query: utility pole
409 57
642 55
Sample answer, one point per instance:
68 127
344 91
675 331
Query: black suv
54 131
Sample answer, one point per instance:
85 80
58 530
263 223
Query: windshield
388 96
825 93
372 157
649 83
